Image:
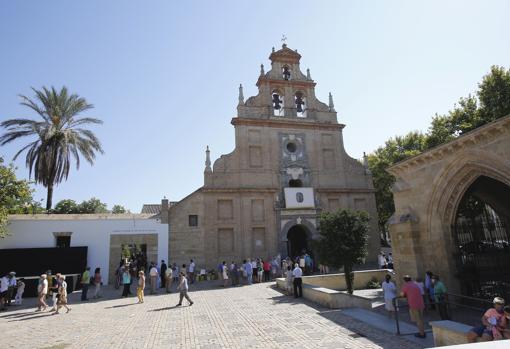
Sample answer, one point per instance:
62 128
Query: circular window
291 147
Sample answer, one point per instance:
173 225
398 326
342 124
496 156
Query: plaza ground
256 316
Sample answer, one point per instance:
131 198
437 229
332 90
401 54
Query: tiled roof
151 208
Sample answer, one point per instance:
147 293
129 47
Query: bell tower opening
299 100
295 183
277 101
286 72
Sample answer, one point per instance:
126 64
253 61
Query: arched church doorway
482 239
297 240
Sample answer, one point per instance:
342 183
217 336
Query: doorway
482 238
297 241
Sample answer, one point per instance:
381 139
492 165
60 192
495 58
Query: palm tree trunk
49 198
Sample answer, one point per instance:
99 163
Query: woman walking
42 291
55 285
97 282
141 286
62 295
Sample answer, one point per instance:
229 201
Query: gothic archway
481 238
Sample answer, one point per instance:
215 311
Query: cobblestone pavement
256 316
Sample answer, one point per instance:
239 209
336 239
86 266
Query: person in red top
267 271
415 300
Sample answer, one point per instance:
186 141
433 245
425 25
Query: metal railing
477 306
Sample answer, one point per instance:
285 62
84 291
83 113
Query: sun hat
498 300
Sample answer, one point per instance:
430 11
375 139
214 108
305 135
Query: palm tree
58 136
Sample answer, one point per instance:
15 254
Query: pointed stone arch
451 183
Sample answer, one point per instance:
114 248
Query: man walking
183 290
85 281
297 273
412 292
163 274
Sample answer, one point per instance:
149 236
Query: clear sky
163 75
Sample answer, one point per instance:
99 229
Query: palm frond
59 139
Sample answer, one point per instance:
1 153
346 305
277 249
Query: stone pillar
404 243
164 211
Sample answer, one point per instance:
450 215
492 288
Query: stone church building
289 164
452 212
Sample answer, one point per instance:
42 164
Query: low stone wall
337 281
448 332
327 297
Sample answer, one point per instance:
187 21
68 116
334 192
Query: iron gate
483 254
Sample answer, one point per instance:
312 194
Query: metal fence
464 309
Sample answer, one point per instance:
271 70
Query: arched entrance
482 239
297 240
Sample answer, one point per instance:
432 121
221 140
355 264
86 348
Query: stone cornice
291 123
344 190
72 217
475 137
239 190
275 83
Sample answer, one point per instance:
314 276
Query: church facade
289 164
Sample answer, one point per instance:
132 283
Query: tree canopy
490 102
343 239
57 137
93 205
15 196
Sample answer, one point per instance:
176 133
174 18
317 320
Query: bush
373 284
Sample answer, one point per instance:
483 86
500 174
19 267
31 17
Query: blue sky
163 75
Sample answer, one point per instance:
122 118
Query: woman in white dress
224 274
390 292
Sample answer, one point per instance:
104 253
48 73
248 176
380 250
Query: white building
103 234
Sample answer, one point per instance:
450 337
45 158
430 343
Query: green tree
490 102
394 150
117 209
92 205
343 238
494 95
57 136
66 206
15 196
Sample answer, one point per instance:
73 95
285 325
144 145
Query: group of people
165 274
87 280
433 293
11 288
54 288
249 271
495 323
385 261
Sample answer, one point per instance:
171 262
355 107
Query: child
288 279
141 286
19 293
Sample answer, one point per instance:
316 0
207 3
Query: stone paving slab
256 316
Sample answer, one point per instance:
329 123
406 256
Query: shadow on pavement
165 308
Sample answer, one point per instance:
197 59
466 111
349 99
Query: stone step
383 323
